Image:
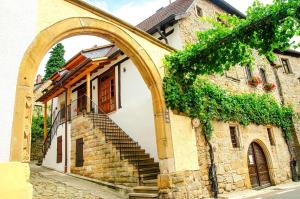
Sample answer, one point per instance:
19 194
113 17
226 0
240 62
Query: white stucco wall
50 158
136 116
17 21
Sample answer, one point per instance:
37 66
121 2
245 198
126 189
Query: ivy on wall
230 42
207 101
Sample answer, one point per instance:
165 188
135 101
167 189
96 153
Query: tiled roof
175 8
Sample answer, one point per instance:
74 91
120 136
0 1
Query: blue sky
131 11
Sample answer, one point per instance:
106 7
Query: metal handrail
109 128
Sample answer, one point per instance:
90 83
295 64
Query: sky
131 11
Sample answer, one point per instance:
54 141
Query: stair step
150 182
149 176
135 155
142 195
149 170
148 165
145 189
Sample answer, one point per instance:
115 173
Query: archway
88 26
258 166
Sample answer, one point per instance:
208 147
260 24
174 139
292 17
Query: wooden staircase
130 150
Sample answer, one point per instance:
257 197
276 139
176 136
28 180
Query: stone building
102 133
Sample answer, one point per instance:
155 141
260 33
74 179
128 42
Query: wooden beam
45 121
88 91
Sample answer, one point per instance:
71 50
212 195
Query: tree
56 60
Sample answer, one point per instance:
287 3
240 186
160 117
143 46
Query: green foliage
56 60
230 42
208 102
37 126
231 39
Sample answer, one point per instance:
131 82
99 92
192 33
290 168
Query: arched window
199 11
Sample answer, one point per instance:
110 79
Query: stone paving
49 184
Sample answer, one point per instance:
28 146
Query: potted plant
254 81
269 86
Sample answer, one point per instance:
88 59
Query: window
271 136
199 11
107 92
263 76
234 136
286 66
59 150
248 72
79 153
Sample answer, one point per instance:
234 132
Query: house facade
103 124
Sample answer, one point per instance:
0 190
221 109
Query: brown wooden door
81 102
258 167
106 94
59 150
79 153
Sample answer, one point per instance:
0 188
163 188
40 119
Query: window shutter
59 150
79 153
233 136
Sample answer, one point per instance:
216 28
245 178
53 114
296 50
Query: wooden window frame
271 136
59 149
234 137
263 75
79 162
286 66
248 71
198 11
107 74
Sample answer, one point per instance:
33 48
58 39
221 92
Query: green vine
207 101
230 42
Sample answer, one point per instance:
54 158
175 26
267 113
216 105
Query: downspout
212 172
160 32
293 162
66 131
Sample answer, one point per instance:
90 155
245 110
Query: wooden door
81 96
59 150
106 94
79 153
258 167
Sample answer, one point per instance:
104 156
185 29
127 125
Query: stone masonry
101 160
232 163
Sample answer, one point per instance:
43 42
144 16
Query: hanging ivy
230 42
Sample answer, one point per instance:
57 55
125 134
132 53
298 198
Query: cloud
134 12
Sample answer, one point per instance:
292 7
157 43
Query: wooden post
88 92
45 121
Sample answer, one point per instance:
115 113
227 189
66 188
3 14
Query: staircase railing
110 129
58 120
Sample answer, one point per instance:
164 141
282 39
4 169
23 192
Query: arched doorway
86 26
258 167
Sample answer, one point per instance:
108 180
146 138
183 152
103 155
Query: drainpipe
293 162
212 172
66 131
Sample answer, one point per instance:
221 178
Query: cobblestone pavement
49 184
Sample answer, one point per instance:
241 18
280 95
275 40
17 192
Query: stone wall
232 163
101 160
36 152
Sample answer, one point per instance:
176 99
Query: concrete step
142 195
145 189
149 170
150 182
149 176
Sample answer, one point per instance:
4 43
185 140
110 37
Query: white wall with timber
135 116
49 160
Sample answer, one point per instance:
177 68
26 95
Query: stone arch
85 26
268 156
